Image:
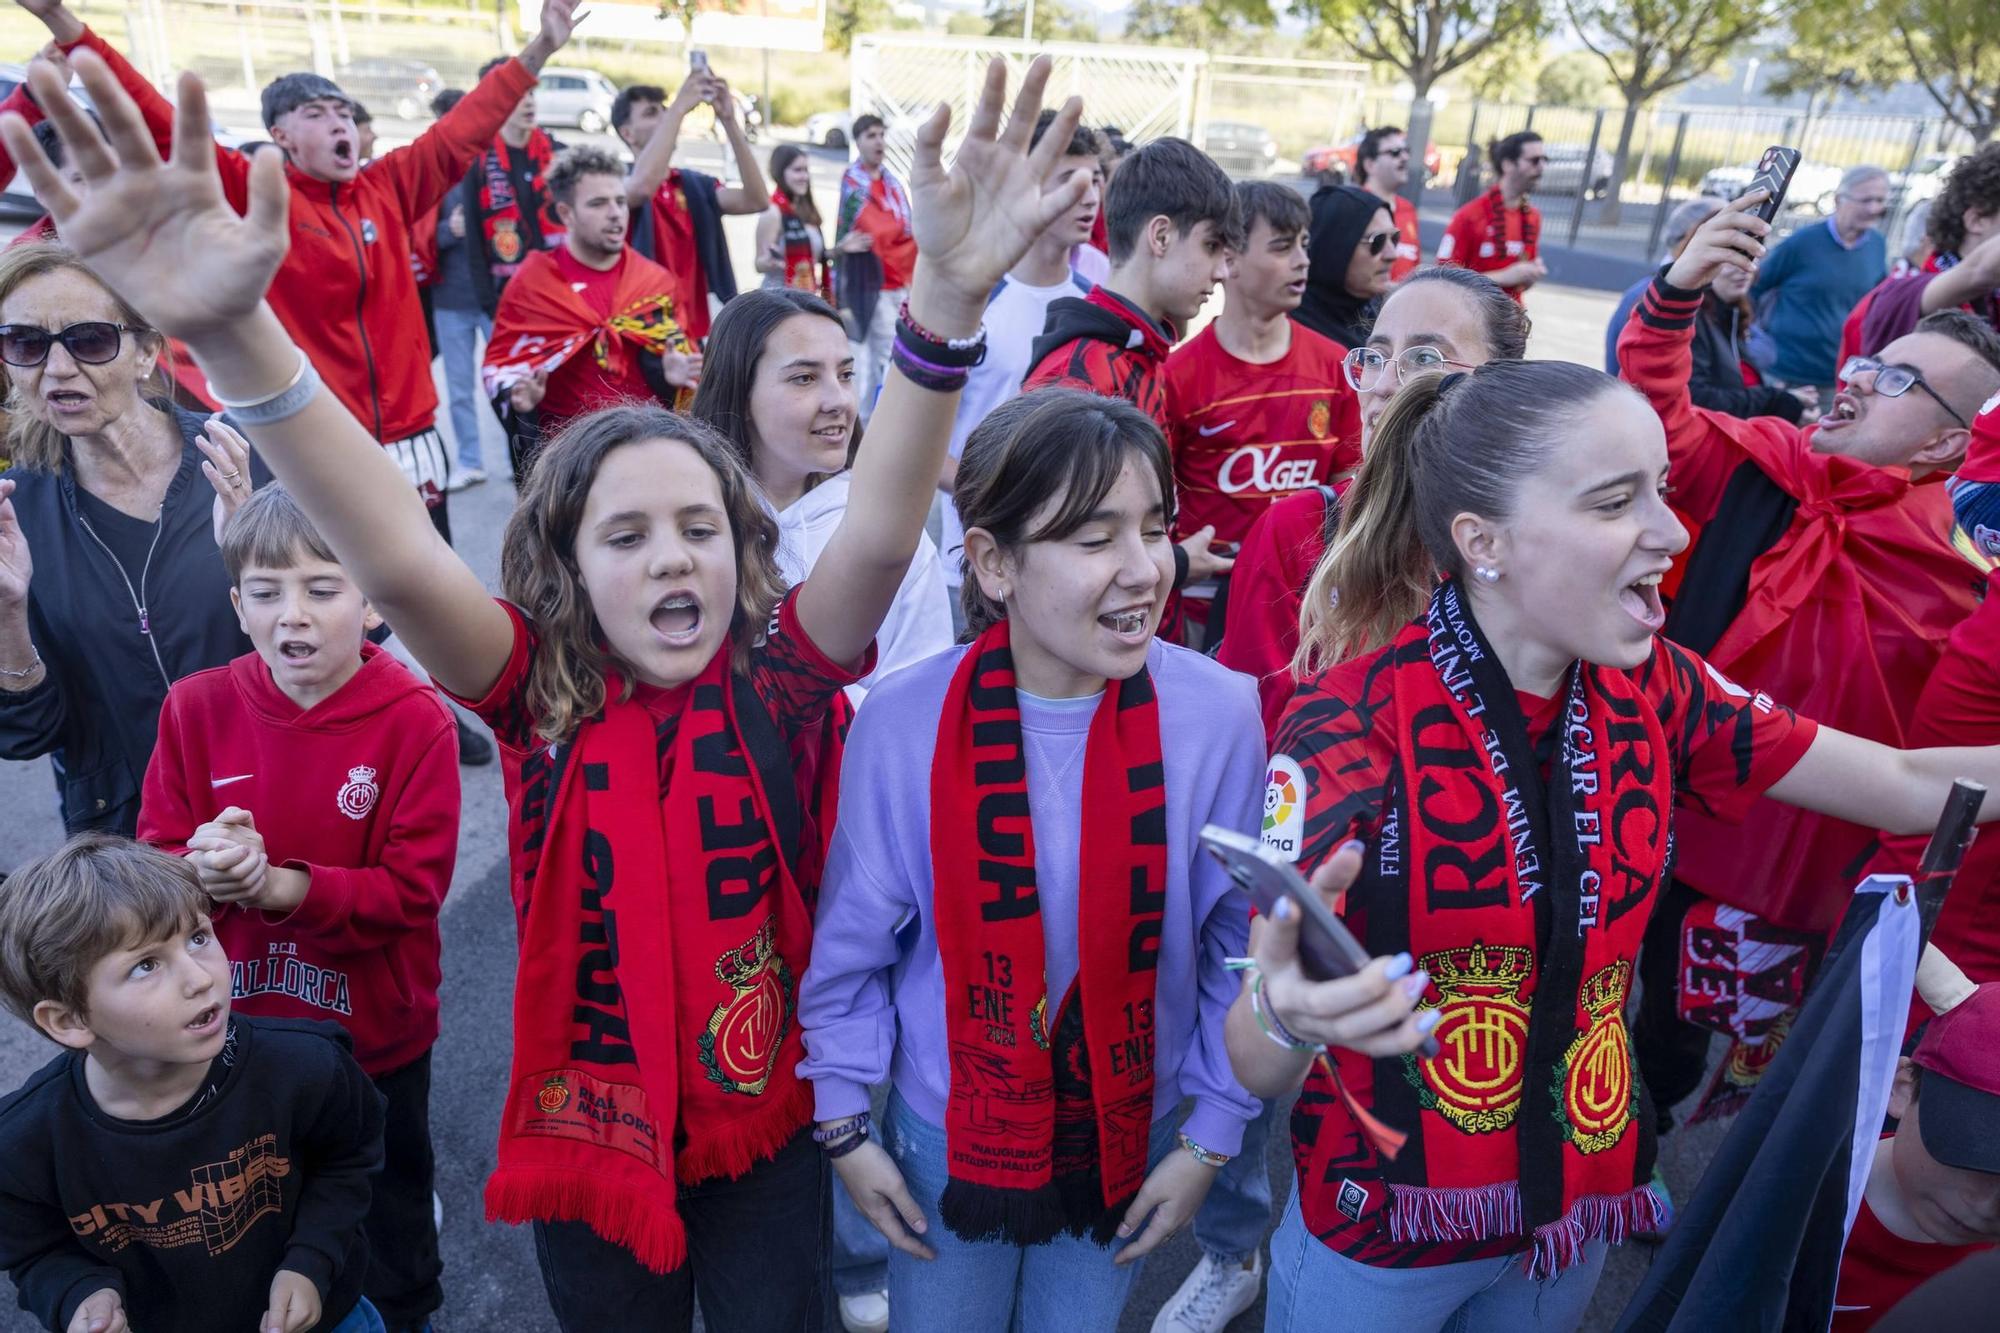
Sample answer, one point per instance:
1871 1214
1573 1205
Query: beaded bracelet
836 1151
840 1129
1201 1154
1273 1028
977 340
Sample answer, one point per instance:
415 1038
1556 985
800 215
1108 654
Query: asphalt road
490 1280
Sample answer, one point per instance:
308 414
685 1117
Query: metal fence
1675 155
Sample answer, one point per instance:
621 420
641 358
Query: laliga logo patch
357 796
1284 806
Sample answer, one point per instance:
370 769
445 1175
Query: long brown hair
804 205
33 443
538 571
1377 549
1447 445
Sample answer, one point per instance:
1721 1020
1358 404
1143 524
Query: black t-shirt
190 1216
130 540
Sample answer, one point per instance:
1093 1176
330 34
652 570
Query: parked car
1564 171
1333 164
1240 148
391 87
571 96
1812 189
829 129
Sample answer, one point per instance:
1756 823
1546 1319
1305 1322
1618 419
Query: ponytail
1376 576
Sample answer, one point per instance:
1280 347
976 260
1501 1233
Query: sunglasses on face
1895 381
1534 161
1364 366
1378 240
92 342
1393 152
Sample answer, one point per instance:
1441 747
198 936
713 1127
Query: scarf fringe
640 1222
1418 1215
1031 1217
733 1147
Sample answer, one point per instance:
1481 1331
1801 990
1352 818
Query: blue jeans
1233 1219
458 334
1308 1280
988 1286
361 1319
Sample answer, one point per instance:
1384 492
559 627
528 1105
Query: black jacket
113 646
711 243
1716 381
1340 218
188 1217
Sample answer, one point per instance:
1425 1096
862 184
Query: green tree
1951 48
1652 46
1574 78
1055 20
1204 25
1424 40
848 19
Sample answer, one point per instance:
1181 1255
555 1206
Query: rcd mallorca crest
357 797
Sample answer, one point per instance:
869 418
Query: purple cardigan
872 1002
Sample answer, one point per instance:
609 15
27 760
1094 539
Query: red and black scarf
1048 1121
654 1036
510 235
803 269
1515 894
1495 204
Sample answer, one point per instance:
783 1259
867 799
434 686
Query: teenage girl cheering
645 677
1511 759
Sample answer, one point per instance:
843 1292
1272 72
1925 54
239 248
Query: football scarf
1495 205
803 269
1528 1120
1047 1124
654 1041
510 236
542 322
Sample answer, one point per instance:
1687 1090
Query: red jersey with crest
1245 436
360 791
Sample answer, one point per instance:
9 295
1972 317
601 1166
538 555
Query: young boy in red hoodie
313 784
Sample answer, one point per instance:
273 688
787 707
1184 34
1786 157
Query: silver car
571 96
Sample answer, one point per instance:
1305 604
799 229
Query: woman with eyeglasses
111 585
1438 319
1352 250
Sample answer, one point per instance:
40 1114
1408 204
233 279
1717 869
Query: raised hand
158 233
975 221
63 25
559 20
1733 238
17 563
226 464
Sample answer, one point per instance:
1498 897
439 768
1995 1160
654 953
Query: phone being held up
1774 178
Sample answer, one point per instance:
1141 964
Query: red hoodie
1846 613
346 291
1106 345
361 793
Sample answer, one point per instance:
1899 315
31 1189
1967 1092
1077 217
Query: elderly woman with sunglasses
1352 251
111 585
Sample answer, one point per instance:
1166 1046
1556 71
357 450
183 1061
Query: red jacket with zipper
346 292
1845 616
360 792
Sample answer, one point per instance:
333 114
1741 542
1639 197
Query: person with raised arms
642 673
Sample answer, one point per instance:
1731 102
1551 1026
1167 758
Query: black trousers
1672 1053
757 1258
403 1262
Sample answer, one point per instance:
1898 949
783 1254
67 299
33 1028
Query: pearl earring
1490 575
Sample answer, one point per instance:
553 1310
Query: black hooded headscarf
1340 217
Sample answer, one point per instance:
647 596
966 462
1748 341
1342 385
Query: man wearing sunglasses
1382 167
1823 574
1499 233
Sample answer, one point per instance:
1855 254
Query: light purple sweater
872 1002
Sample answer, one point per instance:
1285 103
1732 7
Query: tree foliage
1949 48
1205 24
848 19
1055 20
1574 78
1424 40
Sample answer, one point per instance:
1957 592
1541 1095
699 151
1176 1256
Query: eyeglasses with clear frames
1364 366
1893 381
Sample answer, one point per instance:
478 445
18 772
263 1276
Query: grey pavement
491 1282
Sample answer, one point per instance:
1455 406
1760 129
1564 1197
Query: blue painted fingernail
1400 966
1429 1019
1284 910
1416 984
1354 845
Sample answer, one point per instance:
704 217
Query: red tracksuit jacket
346 291
361 792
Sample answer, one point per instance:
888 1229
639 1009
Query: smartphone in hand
1774 177
698 61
